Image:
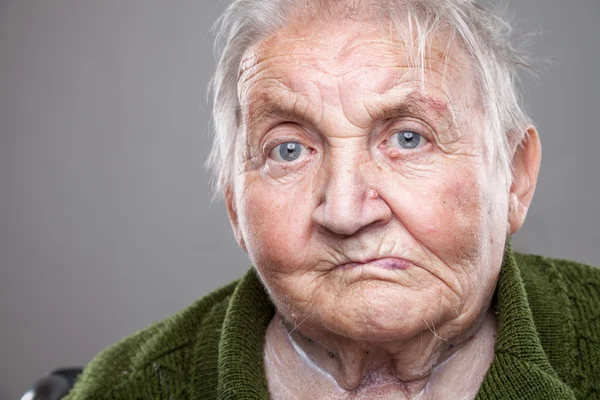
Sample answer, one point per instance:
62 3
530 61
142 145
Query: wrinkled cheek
275 225
451 223
276 229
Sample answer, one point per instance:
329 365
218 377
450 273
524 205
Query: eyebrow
414 104
417 104
267 109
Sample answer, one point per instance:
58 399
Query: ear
233 217
526 160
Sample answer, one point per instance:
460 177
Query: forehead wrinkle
440 60
250 70
353 48
442 48
450 73
282 102
401 83
455 86
325 65
325 55
441 68
349 58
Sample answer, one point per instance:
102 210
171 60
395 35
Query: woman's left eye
407 140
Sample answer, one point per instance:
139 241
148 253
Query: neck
412 366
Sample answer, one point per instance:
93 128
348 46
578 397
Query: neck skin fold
414 367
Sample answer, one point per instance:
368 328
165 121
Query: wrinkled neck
412 367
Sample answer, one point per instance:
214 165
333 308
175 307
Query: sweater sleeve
155 363
564 297
582 284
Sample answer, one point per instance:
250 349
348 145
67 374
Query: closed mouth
390 263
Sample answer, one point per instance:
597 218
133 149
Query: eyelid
412 125
272 137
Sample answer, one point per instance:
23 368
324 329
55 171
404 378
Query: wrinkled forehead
350 51
338 47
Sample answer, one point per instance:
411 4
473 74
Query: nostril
344 218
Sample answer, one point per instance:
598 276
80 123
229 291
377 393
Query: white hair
485 35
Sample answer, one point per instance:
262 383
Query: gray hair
485 35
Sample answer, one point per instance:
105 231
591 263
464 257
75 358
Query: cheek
275 224
447 215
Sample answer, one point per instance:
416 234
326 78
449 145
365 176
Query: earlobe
233 217
526 162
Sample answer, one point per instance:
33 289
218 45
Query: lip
389 263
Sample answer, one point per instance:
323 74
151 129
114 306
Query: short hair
486 36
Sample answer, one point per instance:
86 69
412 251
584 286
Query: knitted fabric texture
548 344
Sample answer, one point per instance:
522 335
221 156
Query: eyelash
411 126
271 144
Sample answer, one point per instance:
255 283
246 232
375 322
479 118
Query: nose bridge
345 184
343 208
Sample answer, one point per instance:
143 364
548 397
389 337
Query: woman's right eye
288 152
407 140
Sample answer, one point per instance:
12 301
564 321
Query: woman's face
366 194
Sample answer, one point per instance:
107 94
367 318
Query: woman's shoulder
566 288
155 362
564 298
579 281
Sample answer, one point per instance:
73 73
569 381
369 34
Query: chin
379 311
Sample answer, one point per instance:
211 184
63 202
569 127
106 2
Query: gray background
106 222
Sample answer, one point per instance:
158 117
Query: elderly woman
375 160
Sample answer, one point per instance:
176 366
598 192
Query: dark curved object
55 386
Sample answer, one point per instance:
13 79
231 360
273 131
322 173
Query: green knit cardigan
548 344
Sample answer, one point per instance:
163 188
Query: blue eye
407 140
288 151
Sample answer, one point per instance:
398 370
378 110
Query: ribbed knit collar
520 369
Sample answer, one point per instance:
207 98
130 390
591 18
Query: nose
349 202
